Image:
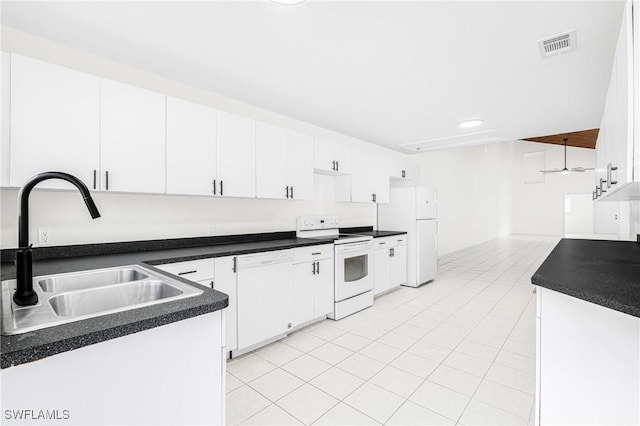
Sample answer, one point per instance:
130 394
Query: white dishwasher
265 288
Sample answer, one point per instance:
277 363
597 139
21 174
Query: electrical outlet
211 229
44 236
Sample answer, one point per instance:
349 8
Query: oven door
353 269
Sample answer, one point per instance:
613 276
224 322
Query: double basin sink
66 298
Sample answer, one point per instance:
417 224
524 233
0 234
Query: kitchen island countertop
606 273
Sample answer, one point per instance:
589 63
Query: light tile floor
460 350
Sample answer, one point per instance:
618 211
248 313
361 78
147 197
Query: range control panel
311 223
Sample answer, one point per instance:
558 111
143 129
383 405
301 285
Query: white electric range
353 263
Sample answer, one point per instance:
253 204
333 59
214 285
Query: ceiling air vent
557 44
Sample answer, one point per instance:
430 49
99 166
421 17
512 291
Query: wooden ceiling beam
580 139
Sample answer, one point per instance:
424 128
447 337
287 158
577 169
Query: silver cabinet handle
317 267
602 182
235 264
188 272
337 166
313 270
610 180
95 172
221 188
403 173
333 165
316 253
212 284
106 177
292 192
287 190
214 187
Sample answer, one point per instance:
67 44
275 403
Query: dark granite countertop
26 347
368 230
606 273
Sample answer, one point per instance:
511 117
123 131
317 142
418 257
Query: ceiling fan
565 171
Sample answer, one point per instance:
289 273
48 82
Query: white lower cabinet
588 363
313 294
390 263
225 281
219 274
173 374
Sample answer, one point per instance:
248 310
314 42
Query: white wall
128 217
473 193
133 217
539 208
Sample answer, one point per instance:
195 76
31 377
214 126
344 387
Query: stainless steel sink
87 302
90 279
71 297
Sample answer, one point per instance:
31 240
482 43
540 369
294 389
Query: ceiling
388 72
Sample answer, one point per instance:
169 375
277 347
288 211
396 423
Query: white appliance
264 297
353 263
414 210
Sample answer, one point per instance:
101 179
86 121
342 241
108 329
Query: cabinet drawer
400 240
309 254
388 242
193 270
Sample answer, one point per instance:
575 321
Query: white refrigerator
414 210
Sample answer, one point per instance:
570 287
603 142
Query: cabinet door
225 281
323 155
323 288
191 148
236 155
381 263
398 267
363 179
55 122
271 161
132 145
303 289
342 155
623 148
300 164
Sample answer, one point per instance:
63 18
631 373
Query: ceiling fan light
565 172
467 124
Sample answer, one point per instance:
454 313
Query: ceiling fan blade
582 169
550 171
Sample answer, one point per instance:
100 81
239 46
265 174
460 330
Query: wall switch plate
44 236
211 229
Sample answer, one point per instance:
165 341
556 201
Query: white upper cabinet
403 171
615 145
300 165
236 159
342 154
271 161
368 182
191 148
331 157
55 122
284 163
132 130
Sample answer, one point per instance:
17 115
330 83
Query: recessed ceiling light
467 124
287 2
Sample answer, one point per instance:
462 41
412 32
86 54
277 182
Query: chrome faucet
25 295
